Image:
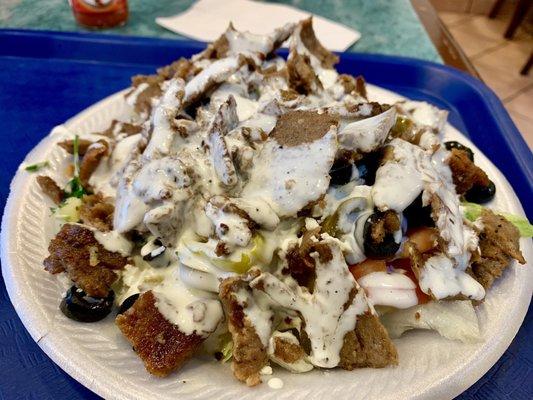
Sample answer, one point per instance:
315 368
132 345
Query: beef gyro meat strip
161 345
306 35
353 85
302 76
499 243
235 220
145 90
94 154
156 184
87 263
465 173
368 134
210 77
225 120
68 146
306 59
97 211
407 171
299 137
249 349
368 346
285 350
328 315
118 128
257 47
164 129
181 68
300 265
51 188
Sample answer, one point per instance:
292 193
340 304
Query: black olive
456 145
78 306
418 215
137 238
481 194
151 256
368 166
386 248
340 172
126 304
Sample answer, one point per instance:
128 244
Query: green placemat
387 26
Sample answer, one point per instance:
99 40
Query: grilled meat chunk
161 345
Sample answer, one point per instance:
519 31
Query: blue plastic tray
47 77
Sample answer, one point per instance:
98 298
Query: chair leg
527 67
518 16
496 9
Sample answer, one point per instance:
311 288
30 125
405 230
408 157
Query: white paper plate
98 357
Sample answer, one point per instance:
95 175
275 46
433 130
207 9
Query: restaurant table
397 27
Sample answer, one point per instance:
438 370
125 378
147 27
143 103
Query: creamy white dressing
398 181
129 211
389 289
222 162
198 256
162 179
114 241
299 366
230 227
275 383
258 313
106 176
196 279
139 277
327 321
131 98
246 108
218 71
353 204
259 211
439 277
192 312
249 44
279 179
178 186
368 134
425 114
163 132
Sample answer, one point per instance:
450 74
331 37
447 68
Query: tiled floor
498 61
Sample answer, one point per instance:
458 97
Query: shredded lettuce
227 351
455 320
472 211
74 186
37 166
68 210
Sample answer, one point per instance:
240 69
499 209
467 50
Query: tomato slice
424 239
367 267
404 264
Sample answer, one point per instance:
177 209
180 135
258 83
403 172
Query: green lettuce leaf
227 351
74 186
37 166
472 211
